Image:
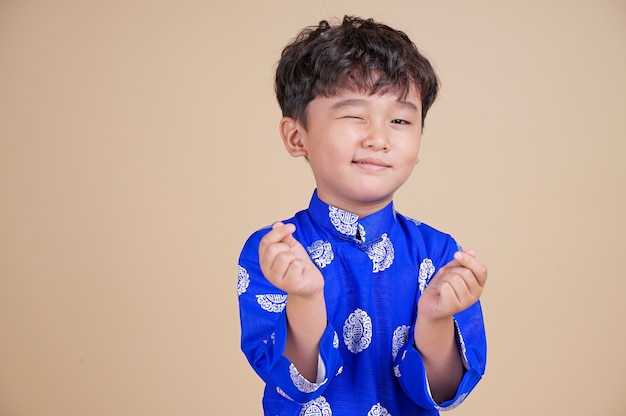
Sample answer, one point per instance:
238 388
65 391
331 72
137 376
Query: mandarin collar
348 226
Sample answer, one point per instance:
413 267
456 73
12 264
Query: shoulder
417 227
251 245
430 238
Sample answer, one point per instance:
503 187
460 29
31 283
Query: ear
291 131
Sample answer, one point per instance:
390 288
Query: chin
375 198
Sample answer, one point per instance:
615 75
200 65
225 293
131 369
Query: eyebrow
348 102
409 105
354 102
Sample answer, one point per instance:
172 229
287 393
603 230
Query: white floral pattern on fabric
378 410
317 407
400 337
357 331
381 253
348 283
243 280
345 222
462 345
272 338
301 383
414 221
321 252
426 272
456 403
272 302
282 393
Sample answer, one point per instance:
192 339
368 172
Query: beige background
139 149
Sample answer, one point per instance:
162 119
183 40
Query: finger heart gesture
455 287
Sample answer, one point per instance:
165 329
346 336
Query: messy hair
356 55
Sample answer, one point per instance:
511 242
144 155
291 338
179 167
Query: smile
371 165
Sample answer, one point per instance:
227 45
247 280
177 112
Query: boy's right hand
287 265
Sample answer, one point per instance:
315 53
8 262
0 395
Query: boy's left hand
455 287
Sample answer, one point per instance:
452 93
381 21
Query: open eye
399 121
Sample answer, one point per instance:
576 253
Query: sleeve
472 345
264 332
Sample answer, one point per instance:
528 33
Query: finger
286 232
449 296
281 261
471 262
290 240
470 252
464 282
292 279
294 273
277 234
269 255
454 262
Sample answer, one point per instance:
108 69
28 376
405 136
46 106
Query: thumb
296 247
471 253
288 238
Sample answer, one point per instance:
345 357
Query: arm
456 287
286 264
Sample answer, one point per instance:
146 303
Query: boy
350 308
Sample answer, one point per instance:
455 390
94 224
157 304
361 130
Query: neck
361 210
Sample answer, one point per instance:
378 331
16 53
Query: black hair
357 55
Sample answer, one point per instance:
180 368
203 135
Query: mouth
370 164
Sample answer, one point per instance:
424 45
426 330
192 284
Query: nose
377 138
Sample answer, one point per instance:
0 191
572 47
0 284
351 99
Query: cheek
411 154
411 158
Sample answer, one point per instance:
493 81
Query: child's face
361 147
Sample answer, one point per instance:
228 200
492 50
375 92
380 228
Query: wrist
306 302
306 297
433 332
435 321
